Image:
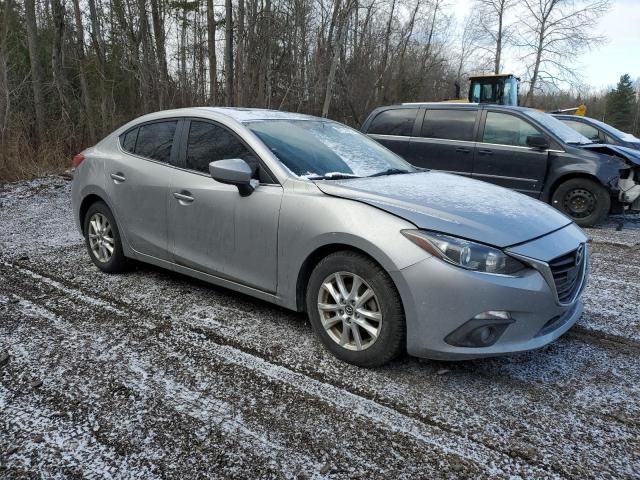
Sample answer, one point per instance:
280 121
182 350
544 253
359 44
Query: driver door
212 228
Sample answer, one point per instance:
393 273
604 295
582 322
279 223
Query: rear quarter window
128 140
394 122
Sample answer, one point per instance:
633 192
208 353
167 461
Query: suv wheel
355 309
585 201
103 239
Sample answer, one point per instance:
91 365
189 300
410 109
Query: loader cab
496 89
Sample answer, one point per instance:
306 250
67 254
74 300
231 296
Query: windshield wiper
390 171
333 176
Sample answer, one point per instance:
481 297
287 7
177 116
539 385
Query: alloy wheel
101 239
349 311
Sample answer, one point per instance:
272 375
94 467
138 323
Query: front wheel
585 201
355 309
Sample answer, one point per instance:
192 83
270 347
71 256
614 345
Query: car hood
455 205
630 154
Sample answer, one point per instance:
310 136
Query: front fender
606 169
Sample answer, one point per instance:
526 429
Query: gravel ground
155 375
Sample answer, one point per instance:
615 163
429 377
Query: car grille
567 272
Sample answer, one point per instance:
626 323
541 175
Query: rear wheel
103 239
585 201
355 309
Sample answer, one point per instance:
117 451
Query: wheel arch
570 176
87 201
315 256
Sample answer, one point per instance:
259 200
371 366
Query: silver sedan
312 215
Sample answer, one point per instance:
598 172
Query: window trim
176 137
184 141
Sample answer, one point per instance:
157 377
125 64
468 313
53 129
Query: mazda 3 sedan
314 216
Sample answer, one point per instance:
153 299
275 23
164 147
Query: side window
155 140
128 140
398 121
504 129
449 124
208 143
587 130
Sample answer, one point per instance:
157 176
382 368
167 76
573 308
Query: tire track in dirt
514 453
181 398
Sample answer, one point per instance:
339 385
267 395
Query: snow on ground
152 374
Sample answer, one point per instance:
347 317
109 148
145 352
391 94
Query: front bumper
439 298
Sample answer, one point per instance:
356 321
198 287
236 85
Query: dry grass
22 158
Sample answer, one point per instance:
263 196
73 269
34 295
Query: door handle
118 177
483 151
183 197
462 150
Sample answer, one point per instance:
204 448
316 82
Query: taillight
77 160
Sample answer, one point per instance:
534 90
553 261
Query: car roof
248 114
455 104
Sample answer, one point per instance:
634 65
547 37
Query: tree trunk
536 69
57 67
228 53
496 66
84 86
239 71
161 54
334 61
36 75
5 97
211 39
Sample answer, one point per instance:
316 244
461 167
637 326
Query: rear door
446 140
393 128
138 181
503 157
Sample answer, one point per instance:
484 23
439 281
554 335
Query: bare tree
490 18
228 52
5 97
552 33
36 75
211 48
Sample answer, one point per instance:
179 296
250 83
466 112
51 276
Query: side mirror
537 141
233 172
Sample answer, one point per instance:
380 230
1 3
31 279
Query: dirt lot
155 375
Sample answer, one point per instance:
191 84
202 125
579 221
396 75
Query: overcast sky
602 66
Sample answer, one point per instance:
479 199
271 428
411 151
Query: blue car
599 132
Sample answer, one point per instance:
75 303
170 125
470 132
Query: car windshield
613 131
323 149
564 132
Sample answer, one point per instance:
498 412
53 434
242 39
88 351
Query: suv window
208 143
587 130
505 129
449 124
398 121
155 140
128 140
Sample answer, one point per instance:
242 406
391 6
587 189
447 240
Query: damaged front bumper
629 189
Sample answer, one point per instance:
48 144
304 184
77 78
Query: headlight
464 253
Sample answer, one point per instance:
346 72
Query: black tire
117 262
390 341
584 200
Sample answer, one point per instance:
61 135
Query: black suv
515 147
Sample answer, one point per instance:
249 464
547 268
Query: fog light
483 330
